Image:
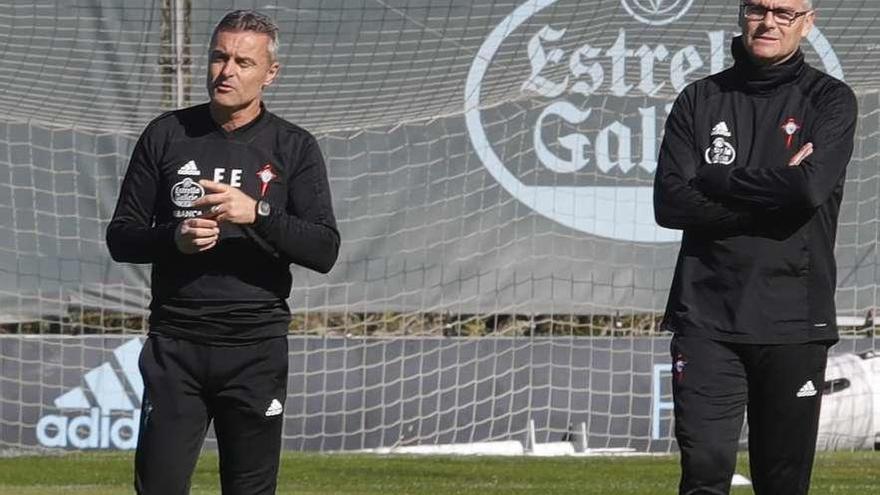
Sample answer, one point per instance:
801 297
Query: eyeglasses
783 17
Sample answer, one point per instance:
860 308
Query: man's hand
195 235
801 155
226 204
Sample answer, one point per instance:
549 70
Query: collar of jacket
764 78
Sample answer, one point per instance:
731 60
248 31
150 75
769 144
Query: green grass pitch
308 474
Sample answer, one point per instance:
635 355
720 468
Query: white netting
556 263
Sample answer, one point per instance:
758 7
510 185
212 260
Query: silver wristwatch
263 208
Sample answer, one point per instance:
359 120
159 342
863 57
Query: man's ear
272 74
809 21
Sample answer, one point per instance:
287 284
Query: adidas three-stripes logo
102 399
807 389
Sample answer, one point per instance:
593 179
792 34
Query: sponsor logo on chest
720 151
187 190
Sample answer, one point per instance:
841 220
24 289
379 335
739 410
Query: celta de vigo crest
572 119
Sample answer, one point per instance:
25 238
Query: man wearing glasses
752 169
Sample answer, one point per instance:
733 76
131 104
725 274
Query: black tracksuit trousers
780 386
186 386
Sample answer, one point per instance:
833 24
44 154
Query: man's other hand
801 155
195 235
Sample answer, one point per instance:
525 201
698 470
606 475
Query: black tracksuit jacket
757 255
235 292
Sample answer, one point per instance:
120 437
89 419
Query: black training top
235 292
757 257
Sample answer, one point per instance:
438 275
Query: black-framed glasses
784 17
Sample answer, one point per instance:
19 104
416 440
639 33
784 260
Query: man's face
239 67
770 41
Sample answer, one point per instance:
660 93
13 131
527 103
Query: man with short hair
221 198
752 169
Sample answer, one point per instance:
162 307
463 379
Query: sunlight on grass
312 474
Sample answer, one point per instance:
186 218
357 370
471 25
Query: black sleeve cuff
713 180
263 224
165 236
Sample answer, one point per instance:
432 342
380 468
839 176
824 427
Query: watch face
263 208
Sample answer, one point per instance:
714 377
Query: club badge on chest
790 128
266 174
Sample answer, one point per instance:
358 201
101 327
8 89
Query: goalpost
491 164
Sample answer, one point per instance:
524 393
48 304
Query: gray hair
250 20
